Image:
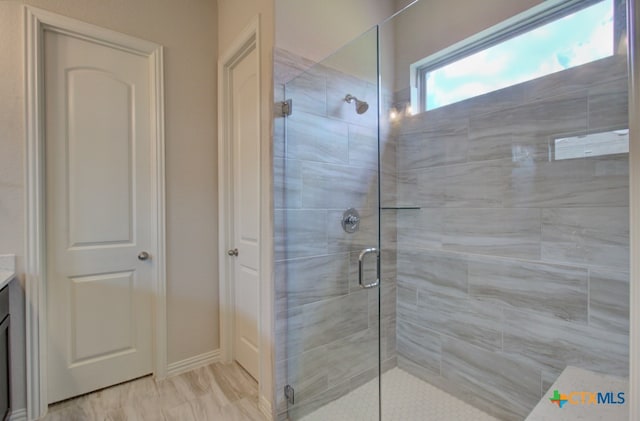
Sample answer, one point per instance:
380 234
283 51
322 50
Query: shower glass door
327 237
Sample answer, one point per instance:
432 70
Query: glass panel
508 214
327 163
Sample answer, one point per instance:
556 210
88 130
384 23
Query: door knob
232 252
143 255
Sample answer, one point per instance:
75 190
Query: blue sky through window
578 38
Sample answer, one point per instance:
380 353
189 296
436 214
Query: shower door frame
633 25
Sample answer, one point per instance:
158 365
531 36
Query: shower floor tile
405 398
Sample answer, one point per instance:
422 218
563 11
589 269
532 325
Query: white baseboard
19 415
192 363
264 405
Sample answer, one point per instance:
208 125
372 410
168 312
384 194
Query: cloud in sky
579 38
482 63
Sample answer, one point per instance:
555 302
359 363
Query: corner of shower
451 255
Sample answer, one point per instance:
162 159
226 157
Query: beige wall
432 25
314 29
188 30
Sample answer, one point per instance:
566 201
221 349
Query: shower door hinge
289 394
286 108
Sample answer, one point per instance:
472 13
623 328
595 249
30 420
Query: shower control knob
232 252
350 220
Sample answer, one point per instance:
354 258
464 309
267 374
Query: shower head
361 106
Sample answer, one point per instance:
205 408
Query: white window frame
545 12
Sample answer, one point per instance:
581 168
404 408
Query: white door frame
633 31
245 42
36 22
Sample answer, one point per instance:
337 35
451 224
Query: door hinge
289 394
286 108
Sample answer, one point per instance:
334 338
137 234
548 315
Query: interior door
246 204
99 286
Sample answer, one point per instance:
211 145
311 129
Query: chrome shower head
361 106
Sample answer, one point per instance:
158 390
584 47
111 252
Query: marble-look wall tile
609 105
308 91
478 185
407 293
389 154
300 233
314 138
407 189
420 228
420 345
609 300
287 184
289 332
512 387
566 183
431 188
307 280
328 186
559 291
552 116
351 356
593 236
436 146
329 320
388 172
382 305
498 232
388 189
432 271
491 136
389 228
363 146
575 79
467 319
498 204
552 343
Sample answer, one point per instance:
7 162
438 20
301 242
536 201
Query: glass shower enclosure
451 216
328 243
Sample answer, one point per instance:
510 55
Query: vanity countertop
574 379
7 269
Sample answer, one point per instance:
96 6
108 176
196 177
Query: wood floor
217 392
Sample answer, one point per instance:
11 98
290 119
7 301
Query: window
542 41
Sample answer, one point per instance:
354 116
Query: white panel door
246 203
99 293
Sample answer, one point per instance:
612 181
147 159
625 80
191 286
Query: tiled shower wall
517 264
326 325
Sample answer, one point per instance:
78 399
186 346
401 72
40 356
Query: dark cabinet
5 367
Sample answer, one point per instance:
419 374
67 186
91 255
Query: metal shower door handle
363 253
